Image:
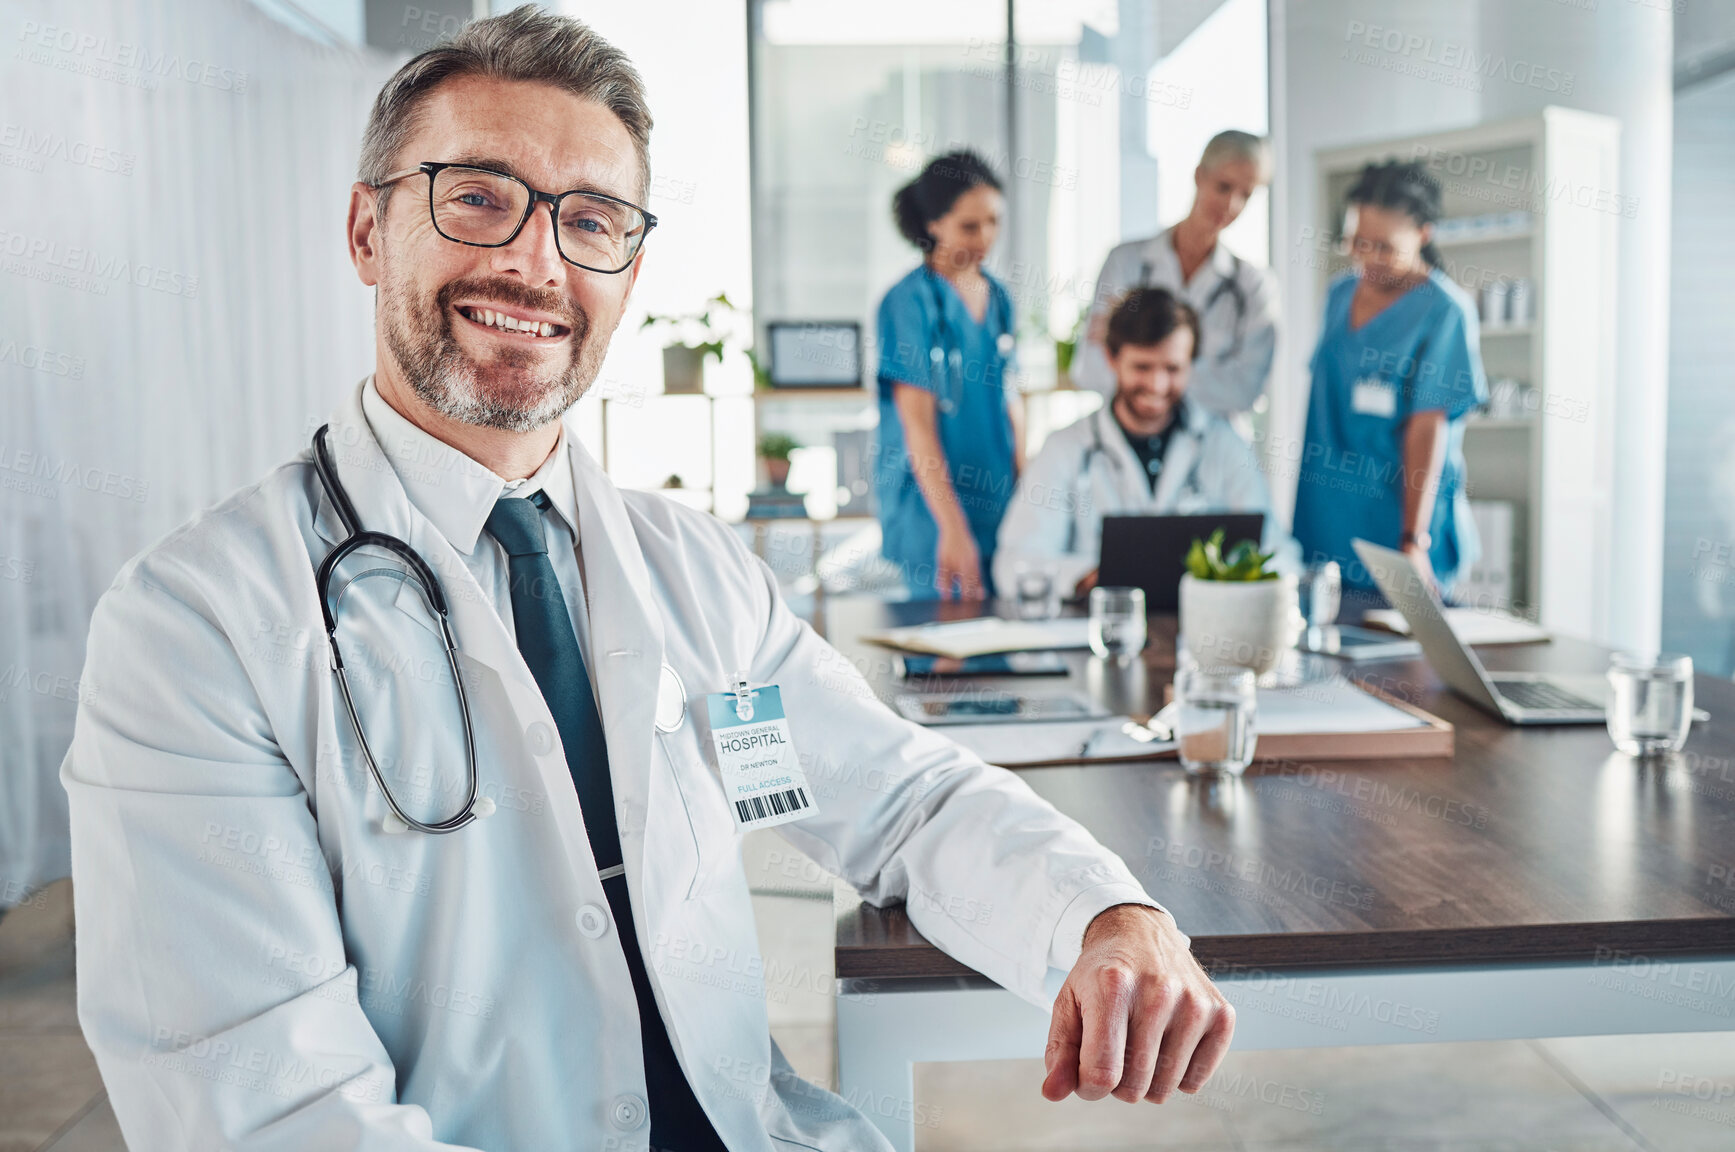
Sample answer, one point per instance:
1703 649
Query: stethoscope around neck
1096 448
356 538
946 358
1229 286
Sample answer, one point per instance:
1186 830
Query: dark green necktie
550 647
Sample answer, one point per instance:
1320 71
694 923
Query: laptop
1150 552
1516 697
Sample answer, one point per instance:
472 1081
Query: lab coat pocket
714 838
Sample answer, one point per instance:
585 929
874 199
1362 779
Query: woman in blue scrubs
1397 369
948 448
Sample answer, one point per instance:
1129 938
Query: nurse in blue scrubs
949 437
1397 369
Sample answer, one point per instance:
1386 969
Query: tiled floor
1602 1094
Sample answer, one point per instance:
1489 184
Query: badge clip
744 697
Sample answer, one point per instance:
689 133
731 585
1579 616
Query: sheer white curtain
177 310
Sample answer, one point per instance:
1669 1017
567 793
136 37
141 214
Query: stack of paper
1471 625
1328 706
985 635
1010 745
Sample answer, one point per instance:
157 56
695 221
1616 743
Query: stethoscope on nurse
946 357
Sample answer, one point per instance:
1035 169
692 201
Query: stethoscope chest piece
671 701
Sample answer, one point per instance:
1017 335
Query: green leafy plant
777 446
1207 560
1066 347
710 331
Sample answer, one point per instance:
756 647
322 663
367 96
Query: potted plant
1235 610
694 336
774 449
1066 351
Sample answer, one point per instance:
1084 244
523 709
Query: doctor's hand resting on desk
1137 1017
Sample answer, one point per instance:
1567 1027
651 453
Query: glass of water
1033 591
1321 594
1650 707
1117 622
1216 709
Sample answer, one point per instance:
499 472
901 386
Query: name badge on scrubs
1374 397
756 758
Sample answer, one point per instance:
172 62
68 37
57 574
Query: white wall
693 58
1614 59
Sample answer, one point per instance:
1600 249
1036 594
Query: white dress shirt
457 495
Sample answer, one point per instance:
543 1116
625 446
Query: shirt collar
453 491
1161 253
1180 417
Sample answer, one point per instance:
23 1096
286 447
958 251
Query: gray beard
448 380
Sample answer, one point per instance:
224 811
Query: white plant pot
1242 623
683 370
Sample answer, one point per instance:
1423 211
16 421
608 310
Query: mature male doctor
1236 301
270 959
1149 451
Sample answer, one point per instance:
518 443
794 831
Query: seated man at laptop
1148 452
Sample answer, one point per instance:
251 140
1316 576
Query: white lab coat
261 967
1087 470
1236 344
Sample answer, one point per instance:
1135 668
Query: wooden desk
1538 884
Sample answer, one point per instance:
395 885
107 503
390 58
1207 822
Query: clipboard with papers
986 635
1334 719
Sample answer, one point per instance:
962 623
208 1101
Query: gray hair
1233 145
523 44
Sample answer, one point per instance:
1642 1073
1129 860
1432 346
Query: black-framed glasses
487 209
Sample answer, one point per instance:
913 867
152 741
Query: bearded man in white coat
1149 451
294 937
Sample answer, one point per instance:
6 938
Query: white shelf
1500 237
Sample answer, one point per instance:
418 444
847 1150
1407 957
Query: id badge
761 776
1374 397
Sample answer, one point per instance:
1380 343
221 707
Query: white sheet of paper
1471 625
961 638
1328 706
1010 744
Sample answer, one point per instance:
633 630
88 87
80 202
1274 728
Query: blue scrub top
1422 353
928 338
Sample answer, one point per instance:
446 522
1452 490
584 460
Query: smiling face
1150 379
963 236
1385 244
510 337
1222 191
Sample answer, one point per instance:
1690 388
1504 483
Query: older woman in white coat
1236 301
1149 451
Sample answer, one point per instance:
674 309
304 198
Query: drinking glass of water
1117 622
1033 591
1321 594
1651 706
1214 722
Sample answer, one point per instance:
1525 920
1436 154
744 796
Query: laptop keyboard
1541 694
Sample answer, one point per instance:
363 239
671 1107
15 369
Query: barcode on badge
771 804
